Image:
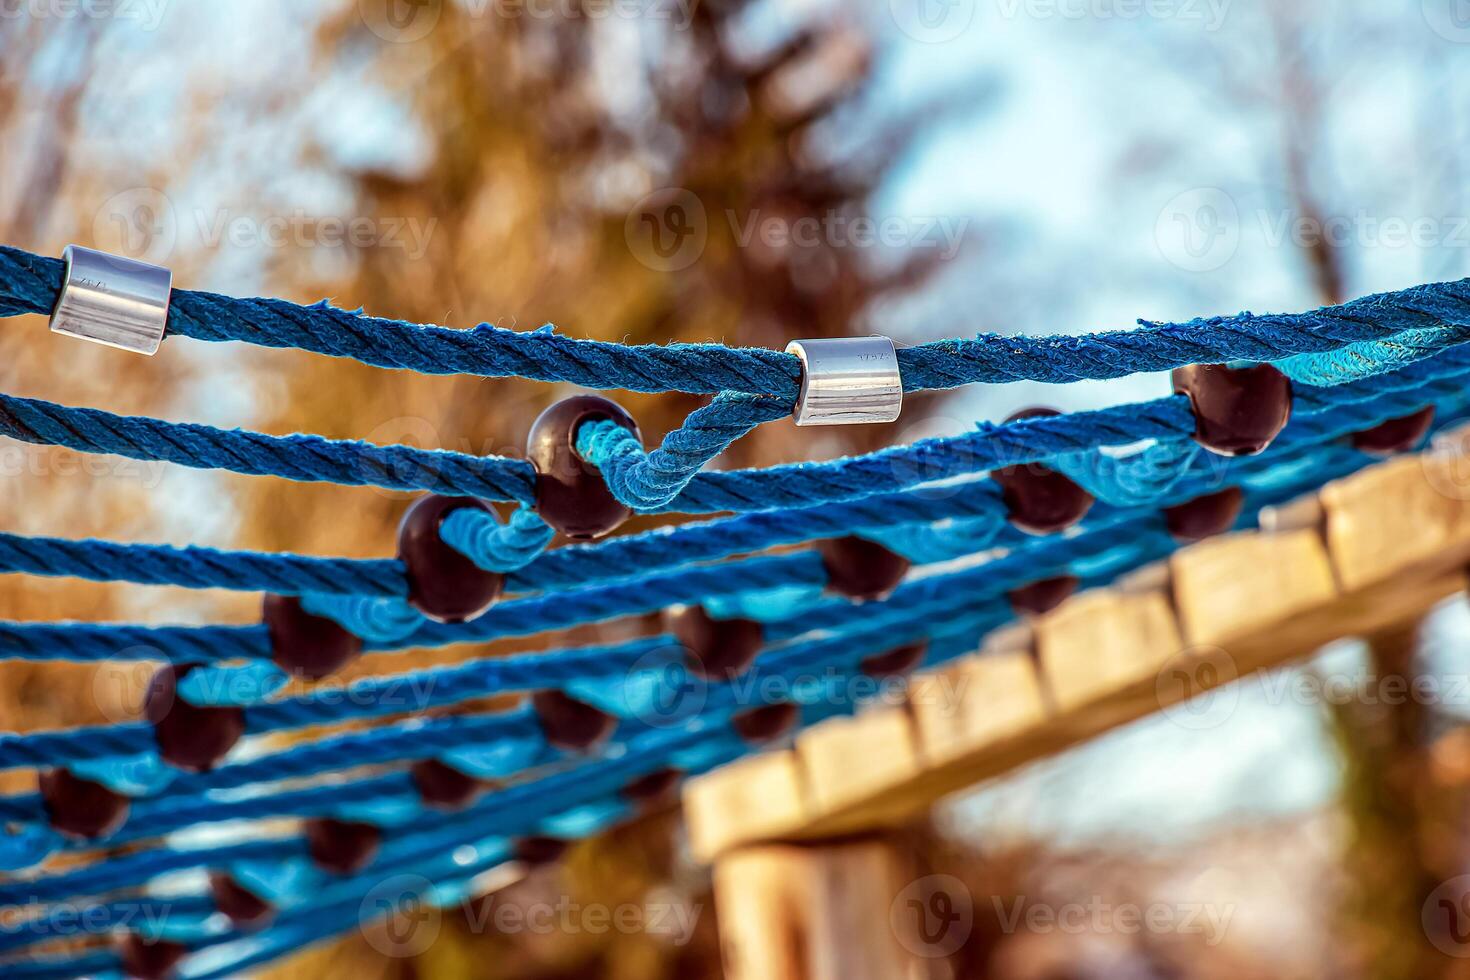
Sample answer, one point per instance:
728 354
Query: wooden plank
760 796
1229 586
1103 640
1371 542
762 935
977 701
848 759
817 912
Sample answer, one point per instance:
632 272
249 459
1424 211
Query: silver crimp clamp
847 381
111 300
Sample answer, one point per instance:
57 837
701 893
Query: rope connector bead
239 904
145 958
860 569
766 723
1042 596
718 649
304 645
443 584
112 300
898 662
444 787
190 737
569 724
538 850
79 808
571 494
847 381
1395 435
1206 516
653 789
1038 499
1238 411
342 847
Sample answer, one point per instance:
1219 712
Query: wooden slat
823 912
1371 542
1377 550
848 759
760 796
977 701
1101 641
1228 586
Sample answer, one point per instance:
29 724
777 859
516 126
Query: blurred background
749 172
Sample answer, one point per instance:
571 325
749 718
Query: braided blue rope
498 548
199 568
928 602
30 284
1051 557
494 546
634 597
305 458
667 478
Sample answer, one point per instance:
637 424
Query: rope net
811 579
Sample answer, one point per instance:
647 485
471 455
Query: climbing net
816 576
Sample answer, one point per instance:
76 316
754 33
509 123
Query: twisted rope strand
30 283
300 457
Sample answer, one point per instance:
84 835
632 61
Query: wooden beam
833 911
1369 553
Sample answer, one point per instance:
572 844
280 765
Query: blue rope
85 642
491 545
667 478
480 678
1352 366
200 568
30 283
306 458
